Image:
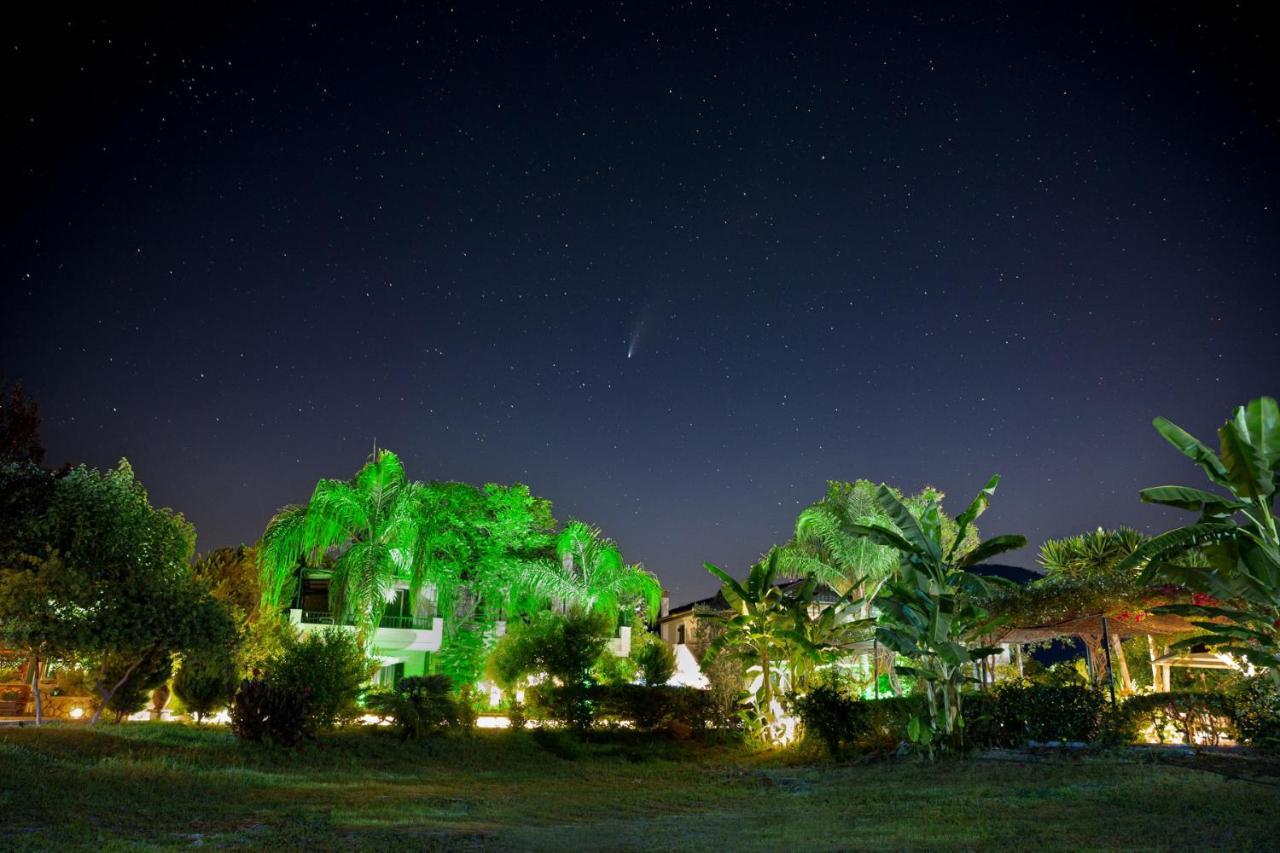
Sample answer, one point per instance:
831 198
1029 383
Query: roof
823 595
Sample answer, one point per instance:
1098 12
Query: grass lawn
170 785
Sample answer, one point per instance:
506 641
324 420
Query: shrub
651 707
887 721
420 705
1041 712
656 660
206 681
331 666
264 711
1257 713
516 715
1193 716
832 715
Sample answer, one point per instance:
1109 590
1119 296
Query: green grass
169 785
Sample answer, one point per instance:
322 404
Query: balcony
394 634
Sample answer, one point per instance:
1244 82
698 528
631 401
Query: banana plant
931 611
780 635
1236 534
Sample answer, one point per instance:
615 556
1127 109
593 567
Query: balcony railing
324 617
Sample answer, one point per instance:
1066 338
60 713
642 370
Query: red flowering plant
1235 597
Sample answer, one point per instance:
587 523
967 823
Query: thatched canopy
1122 626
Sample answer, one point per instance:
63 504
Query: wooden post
1018 650
1156 685
1118 648
1106 650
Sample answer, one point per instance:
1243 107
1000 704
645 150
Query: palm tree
371 526
828 546
591 574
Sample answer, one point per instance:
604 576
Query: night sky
672 266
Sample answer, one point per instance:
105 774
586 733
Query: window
389 676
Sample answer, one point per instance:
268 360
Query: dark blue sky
921 245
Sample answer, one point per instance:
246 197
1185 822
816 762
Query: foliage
330 667
234 576
1256 705
136 680
591 574
655 659
420 705
770 630
651 706
834 716
462 659
564 648
1195 717
206 680
1237 534
931 612
267 711
95 571
827 545
1025 712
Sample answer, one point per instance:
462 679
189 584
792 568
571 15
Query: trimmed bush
263 711
647 708
1039 712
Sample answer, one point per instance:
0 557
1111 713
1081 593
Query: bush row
1017 713
645 707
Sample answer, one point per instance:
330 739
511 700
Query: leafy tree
655 659
481 543
563 647
113 575
1237 601
931 611
591 574
234 577
206 680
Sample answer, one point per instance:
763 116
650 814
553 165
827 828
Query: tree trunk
1156 685
1018 651
106 695
35 686
1118 648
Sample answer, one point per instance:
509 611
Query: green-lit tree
372 525
590 573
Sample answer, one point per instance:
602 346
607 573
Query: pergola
1102 634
